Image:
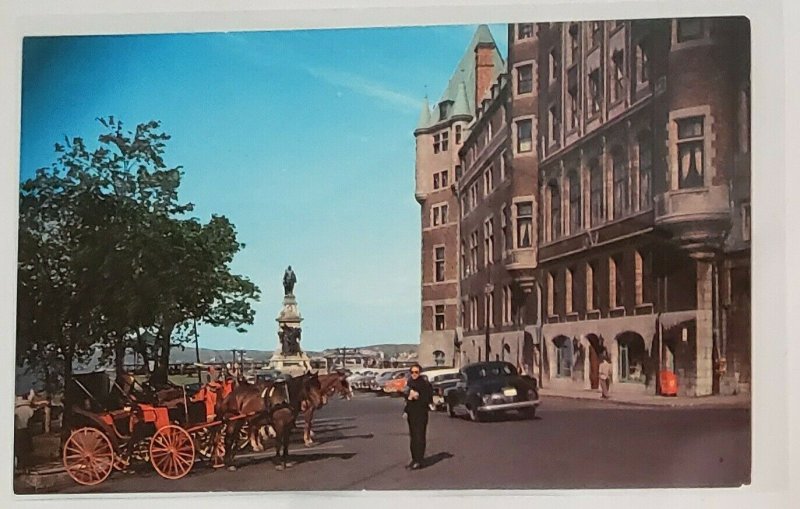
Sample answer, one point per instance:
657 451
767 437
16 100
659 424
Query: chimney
484 70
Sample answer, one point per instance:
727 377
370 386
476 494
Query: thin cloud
363 86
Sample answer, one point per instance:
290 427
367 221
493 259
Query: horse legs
231 435
308 434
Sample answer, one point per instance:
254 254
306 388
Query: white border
774 348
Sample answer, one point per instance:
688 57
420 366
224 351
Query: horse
330 383
261 403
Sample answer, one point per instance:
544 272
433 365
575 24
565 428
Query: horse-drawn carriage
115 423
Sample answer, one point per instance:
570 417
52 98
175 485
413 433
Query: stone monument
289 357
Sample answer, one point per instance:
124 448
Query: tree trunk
66 418
163 340
119 357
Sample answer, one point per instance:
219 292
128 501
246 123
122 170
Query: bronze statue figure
289 280
290 340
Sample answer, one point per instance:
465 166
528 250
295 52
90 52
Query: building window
596 33
554 199
464 206
524 136
645 170
568 292
690 29
616 282
438 357
555 125
444 109
506 224
464 266
618 76
592 287
488 242
437 143
690 152
473 252
622 196
574 55
489 310
572 104
439 317
458 171
445 142
524 221
458 134
436 181
563 356
439 264
488 181
746 222
503 165
595 92
444 178
507 309
596 192
473 196
525 79
642 63
574 202
632 354
439 215
553 66
473 313
524 31
638 278
551 294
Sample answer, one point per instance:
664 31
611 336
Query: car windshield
449 376
490 371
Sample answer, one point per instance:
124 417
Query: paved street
363 444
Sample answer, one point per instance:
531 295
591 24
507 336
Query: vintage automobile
485 388
441 380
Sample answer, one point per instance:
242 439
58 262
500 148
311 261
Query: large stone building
607 172
439 135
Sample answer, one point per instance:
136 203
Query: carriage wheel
172 452
88 456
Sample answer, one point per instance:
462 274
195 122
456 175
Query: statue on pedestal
289 280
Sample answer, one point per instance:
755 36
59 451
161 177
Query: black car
487 388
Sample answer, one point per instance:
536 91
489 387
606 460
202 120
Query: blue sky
302 138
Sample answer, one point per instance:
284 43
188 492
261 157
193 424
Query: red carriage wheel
88 456
172 452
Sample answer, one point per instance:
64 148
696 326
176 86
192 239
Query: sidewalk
650 400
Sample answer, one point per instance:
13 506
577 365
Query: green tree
107 256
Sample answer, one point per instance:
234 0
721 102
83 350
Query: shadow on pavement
436 458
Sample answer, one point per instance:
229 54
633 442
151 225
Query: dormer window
444 109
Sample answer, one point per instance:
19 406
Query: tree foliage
108 255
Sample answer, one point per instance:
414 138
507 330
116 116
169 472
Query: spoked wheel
172 452
88 456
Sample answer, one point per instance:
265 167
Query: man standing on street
605 375
418 394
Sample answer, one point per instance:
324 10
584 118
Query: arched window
574 202
596 196
645 170
555 210
622 195
563 356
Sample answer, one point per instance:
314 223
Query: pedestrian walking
418 395
605 375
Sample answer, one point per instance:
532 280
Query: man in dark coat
418 394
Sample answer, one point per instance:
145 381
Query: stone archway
633 360
562 360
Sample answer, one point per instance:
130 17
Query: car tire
450 410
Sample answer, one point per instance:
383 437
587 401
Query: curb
41 481
674 404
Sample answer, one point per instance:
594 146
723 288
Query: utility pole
197 354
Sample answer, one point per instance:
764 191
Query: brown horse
329 384
262 404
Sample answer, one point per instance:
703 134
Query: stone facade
631 142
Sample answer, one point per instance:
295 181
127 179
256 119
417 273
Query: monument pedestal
289 358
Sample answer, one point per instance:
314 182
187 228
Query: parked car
376 384
395 382
485 388
441 380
